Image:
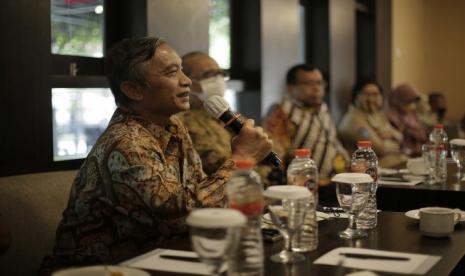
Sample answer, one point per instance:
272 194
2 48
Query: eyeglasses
212 73
312 83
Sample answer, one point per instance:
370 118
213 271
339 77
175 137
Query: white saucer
406 171
415 214
99 270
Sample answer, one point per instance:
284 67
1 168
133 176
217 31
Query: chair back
31 206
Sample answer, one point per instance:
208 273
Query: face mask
368 106
213 86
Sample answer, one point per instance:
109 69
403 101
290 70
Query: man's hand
251 143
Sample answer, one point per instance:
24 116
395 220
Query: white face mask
213 86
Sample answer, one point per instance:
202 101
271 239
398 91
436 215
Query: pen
180 258
395 179
376 257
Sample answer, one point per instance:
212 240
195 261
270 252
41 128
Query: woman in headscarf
365 121
403 115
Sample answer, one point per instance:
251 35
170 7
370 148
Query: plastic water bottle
438 138
303 172
364 160
244 192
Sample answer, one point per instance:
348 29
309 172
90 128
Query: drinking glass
428 155
353 191
214 234
457 151
287 206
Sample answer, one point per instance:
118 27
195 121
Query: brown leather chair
31 206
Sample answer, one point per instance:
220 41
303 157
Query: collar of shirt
163 134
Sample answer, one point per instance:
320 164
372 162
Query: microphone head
216 106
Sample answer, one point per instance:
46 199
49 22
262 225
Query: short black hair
291 76
186 68
434 96
358 87
127 61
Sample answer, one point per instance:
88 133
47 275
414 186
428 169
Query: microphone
218 108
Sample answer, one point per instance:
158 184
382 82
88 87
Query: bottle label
360 166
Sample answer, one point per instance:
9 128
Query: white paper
387 171
152 260
324 216
397 183
417 263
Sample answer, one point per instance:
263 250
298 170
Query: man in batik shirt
302 120
143 175
211 140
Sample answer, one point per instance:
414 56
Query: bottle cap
364 144
302 152
287 192
438 126
244 164
352 178
215 218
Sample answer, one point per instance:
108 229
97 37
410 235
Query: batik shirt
211 140
134 190
292 126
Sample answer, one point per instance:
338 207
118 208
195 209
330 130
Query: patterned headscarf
409 123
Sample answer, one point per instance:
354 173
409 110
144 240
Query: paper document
153 261
379 260
400 182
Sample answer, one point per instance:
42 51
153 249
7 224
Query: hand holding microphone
250 142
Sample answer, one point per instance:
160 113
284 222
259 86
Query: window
77 27
220 32
82 103
79 116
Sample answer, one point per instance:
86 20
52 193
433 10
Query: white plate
99 270
415 214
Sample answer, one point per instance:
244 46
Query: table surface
395 232
402 198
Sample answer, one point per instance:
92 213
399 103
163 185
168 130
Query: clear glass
288 216
352 198
77 27
80 115
427 153
458 155
220 32
213 245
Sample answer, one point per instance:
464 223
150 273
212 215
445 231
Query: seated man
143 176
364 120
211 140
437 102
302 120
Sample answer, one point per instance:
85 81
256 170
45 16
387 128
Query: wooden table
395 232
403 198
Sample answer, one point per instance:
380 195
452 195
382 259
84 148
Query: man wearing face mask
402 114
302 120
365 120
211 140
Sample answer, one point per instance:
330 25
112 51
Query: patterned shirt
292 126
134 190
211 140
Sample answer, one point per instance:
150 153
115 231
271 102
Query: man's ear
132 90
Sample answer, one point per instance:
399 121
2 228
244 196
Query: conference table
395 232
402 198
